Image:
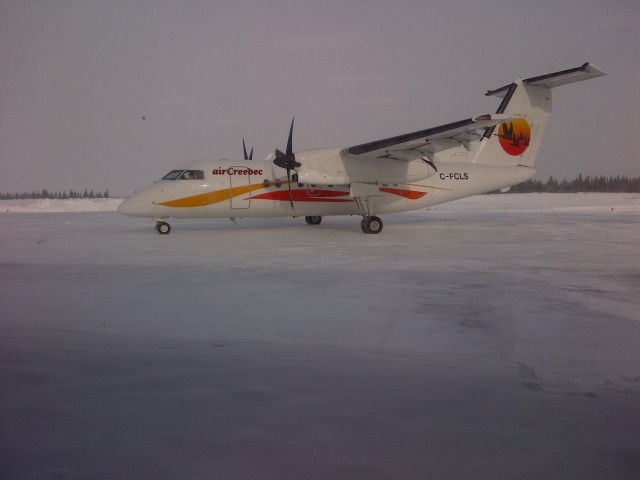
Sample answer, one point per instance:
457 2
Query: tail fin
528 101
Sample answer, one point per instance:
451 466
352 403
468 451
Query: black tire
373 224
313 220
163 228
363 225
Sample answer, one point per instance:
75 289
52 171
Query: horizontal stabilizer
556 79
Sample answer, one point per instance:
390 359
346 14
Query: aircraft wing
425 143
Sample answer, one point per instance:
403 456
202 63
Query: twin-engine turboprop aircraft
397 174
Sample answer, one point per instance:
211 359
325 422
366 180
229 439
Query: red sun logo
515 136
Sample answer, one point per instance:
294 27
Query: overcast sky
113 94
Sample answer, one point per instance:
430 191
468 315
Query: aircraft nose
126 207
137 206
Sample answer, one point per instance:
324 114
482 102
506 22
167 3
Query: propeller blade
289 183
279 154
290 141
244 148
251 154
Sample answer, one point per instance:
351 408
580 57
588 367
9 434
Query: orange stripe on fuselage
410 194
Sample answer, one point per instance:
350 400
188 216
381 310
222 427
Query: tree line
57 195
617 184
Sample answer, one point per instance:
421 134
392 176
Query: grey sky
77 78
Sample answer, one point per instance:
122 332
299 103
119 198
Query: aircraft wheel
163 228
363 225
313 220
373 224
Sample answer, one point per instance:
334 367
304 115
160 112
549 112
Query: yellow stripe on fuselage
210 198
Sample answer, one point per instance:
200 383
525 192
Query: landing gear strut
163 228
364 195
371 224
313 220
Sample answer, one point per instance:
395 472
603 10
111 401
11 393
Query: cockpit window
184 175
192 175
172 175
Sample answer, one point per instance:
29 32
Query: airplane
397 174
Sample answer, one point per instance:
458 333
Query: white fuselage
237 189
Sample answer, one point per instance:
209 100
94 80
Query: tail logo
515 136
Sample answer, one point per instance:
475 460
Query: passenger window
278 183
266 183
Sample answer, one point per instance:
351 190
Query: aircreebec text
236 171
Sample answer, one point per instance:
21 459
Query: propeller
244 147
287 160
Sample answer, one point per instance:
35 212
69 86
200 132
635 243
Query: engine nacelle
323 166
333 166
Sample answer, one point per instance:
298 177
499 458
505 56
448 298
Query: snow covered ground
493 337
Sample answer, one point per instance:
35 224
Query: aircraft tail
528 101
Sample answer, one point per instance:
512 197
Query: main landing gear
371 224
366 206
163 228
313 220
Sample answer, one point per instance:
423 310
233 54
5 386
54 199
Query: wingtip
593 69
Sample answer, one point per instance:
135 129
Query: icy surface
494 337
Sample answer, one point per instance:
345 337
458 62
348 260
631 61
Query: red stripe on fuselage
304 196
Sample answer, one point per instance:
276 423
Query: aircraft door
244 199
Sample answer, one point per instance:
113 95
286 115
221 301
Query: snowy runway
497 336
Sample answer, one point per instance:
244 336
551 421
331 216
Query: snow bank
58 206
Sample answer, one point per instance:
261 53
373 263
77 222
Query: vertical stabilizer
528 101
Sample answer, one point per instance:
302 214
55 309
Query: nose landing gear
163 228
